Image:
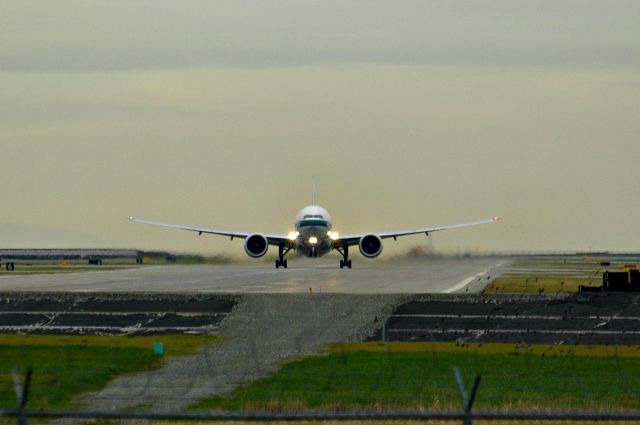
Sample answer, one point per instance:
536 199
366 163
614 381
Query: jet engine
256 246
370 246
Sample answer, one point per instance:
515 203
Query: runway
414 276
113 314
607 318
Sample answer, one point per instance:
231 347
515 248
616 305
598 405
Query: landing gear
345 262
282 251
282 263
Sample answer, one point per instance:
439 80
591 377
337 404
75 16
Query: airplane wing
274 239
354 239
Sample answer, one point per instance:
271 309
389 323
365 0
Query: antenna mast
314 193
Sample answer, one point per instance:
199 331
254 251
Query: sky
409 113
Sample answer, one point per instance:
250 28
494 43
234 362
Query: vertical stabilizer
314 193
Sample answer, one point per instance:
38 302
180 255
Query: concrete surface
260 332
433 275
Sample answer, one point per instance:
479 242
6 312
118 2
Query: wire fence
349 377
466 415
23 417
264 373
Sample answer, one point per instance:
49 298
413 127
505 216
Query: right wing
355 238
274 239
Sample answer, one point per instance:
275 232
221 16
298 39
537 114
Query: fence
351 381
466 415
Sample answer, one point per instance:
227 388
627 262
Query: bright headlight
313 240
334 236
293 235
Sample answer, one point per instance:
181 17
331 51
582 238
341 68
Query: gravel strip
261 331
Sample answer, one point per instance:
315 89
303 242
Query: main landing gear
282 251
345 262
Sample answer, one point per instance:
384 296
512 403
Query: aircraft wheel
277 264
342 264
349 263
284 264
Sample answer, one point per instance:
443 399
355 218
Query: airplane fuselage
313 236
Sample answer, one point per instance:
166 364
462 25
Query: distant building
69 254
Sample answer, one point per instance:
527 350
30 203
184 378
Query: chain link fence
436 382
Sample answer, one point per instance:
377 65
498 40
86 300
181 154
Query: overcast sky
409 113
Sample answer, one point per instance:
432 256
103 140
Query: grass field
403 422
549 275
537 284
66 366
419 376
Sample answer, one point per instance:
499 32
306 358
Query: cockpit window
312 222
313 217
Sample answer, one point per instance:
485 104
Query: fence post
467 400
22 392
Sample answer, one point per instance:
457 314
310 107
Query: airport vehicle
313 236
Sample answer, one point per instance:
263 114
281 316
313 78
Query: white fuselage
313 235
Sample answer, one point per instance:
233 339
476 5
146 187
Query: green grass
377 376
536 275
390 422
537 285
66 366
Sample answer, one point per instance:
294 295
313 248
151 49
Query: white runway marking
471 279
462 284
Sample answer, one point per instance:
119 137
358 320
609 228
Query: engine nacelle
370 246
256 246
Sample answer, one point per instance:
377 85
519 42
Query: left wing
355 238
274 239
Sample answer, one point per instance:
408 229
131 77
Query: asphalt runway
113 314
414 276
607 318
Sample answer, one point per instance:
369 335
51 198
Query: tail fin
314 192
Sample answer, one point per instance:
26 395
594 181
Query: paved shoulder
260 332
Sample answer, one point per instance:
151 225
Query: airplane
313 236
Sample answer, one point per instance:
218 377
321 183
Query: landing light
313 240
293 235
333 235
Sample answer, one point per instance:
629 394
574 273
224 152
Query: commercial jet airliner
313 236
